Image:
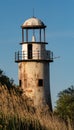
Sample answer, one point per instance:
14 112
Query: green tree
65 104
5 80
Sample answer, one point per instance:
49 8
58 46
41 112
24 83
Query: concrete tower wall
38 51
34 78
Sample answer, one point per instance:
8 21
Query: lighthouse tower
34 63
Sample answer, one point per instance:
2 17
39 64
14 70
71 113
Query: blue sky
58 15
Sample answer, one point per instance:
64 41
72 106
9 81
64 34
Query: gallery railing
35 55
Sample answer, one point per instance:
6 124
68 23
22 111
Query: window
29 51
40 82
20 82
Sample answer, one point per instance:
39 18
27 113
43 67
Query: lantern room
33 41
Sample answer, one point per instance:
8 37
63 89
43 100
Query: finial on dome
33 12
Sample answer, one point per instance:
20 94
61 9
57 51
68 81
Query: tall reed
18 113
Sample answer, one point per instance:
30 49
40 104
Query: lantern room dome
33 23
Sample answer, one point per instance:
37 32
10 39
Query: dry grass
18 113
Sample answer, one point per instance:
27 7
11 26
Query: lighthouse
34 63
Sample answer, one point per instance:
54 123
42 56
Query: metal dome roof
33 23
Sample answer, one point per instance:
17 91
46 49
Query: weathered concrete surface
29 74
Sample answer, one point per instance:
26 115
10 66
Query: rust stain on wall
29 91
